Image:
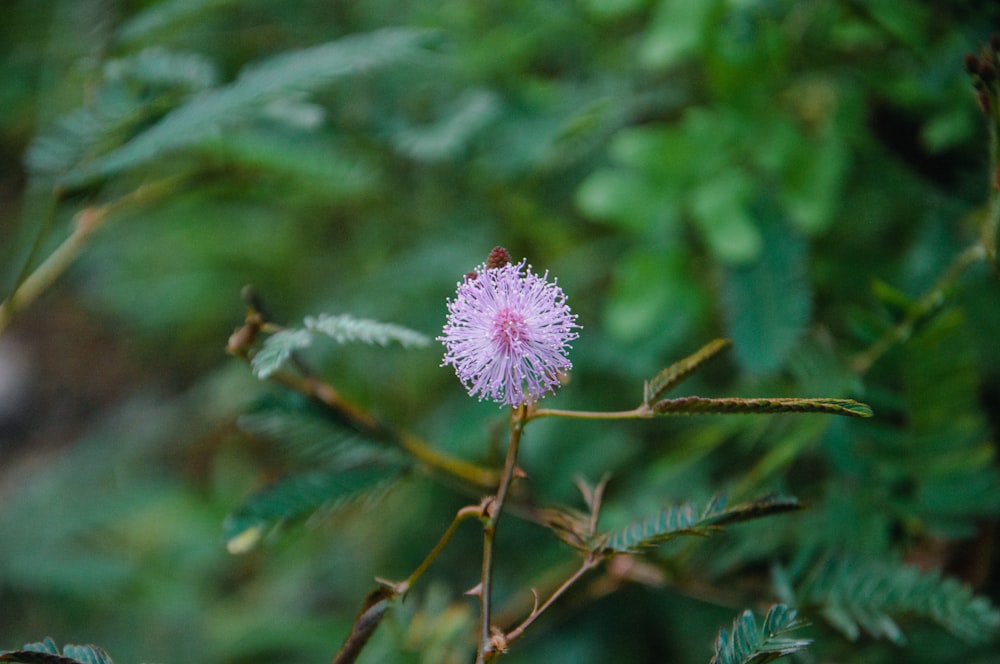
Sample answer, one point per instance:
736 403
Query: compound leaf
46 652
301 494
748 644
283 75
768 303
682 520
736 405
342 328
678 371
858 595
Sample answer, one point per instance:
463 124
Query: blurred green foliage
793 175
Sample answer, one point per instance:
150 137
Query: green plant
676 166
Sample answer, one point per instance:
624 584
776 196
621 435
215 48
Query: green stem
486 651
36 283
641 412
590 562
423 452
87 221
462 515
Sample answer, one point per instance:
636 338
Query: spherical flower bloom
508 333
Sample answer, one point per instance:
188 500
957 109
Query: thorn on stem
534 607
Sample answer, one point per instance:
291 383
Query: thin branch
365 623
36 283
86 222
641 412
462 515
590 562
377 601
363 422
487 651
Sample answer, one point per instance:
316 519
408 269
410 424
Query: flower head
508 333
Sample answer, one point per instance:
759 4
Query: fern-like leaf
678 371
277 349
161 16
324 490
683 520
735 405
83 133
858 594
283 75
46 652
755 509
29 657
306 435
767 304
446 137
748 644
159 68
343 329
133 90
87 654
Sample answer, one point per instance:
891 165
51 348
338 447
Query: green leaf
736 405
683 520
678 371
116 109
298 495
814 176
767 304
679 30
157 67
622 198
857 594
655 529
653 298
277 349
343 328
307 435
748 644
721 210
947 453
46 652
319 168
87 654
164 15
755 509
84 133
47 646
204 115
449 135
28 657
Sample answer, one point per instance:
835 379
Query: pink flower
508 333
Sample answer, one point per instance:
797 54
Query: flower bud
497 258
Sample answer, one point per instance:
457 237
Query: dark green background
792 175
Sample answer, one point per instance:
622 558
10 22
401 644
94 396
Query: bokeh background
792 175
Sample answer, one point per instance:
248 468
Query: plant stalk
590 562
494 510
86 222
423 452
462 515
